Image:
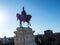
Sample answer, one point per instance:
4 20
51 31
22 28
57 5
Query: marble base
24 36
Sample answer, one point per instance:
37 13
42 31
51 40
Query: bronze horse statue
23 18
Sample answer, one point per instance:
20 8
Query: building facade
51 38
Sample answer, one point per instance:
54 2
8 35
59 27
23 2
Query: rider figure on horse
23 12
23 17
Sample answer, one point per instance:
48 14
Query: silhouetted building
48 38
6 40
51 38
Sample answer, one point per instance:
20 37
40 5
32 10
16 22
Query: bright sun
2 15
2 18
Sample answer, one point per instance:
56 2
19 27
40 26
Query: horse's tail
17 15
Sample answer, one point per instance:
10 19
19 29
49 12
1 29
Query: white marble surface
24 36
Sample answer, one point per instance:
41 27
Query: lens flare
2 18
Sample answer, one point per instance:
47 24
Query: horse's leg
28 24
20 24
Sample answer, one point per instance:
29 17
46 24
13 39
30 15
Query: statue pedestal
24 36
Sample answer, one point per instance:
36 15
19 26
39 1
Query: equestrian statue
23 17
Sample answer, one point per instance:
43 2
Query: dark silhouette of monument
24 17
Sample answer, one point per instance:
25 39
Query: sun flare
3 15
2 18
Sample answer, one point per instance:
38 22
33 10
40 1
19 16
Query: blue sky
45 15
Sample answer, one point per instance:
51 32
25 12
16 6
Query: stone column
24 36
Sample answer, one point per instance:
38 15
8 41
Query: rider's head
23 12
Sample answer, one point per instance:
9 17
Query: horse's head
28 17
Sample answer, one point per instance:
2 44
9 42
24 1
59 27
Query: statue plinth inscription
24 36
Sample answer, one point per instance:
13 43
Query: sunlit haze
2 17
